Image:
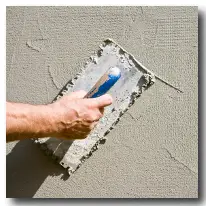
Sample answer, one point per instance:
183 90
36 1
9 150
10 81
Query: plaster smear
134 79
153 150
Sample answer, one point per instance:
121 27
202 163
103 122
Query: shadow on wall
26 169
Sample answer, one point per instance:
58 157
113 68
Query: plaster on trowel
124 77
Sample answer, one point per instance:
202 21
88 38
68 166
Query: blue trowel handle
105 83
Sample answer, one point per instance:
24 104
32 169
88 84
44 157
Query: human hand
74 117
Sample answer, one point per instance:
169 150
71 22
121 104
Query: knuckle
91 117
91 126
90 106
94 118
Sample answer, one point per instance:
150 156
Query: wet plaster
153 150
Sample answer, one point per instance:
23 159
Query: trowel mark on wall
168 84
37 44
135 12
33 47
130 15
146 31
179 162
52 77
149 34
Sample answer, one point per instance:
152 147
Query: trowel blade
135 78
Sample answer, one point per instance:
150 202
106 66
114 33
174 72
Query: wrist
27 121
45 119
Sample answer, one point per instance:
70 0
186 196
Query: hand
74 117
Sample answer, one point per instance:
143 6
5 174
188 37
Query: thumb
102 101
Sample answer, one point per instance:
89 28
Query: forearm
27 121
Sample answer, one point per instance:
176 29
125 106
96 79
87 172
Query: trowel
111 70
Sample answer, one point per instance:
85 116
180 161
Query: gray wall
153 151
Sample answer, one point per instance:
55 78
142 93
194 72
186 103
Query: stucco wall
153 151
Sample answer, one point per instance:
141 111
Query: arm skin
27 121
71 117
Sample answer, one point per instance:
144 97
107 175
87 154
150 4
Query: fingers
103 101
77 95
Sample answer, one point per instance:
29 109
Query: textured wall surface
153 151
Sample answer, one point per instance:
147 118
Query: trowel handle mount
104 84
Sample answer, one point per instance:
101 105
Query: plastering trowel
121 76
